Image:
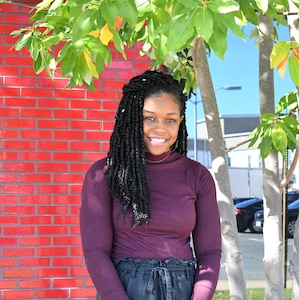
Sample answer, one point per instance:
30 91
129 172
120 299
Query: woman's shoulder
99 166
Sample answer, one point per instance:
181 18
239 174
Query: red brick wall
49 136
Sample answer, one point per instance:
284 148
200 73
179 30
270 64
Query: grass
252 294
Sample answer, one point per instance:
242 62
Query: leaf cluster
278 131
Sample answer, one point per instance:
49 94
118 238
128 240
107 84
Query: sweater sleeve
206 238
97 233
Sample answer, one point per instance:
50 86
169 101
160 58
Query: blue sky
239 67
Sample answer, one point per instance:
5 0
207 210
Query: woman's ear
182 118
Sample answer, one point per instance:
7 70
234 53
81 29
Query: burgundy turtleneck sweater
183 202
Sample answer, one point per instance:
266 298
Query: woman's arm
97 233
206 238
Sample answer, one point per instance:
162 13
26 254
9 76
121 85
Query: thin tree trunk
293 22
230 238
272 193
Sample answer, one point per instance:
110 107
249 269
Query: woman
141 205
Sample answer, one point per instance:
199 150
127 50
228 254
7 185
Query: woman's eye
171 120
149 118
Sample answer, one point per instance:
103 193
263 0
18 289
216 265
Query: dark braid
126 163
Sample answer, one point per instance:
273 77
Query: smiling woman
142 203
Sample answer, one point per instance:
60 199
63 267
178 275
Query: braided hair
127 174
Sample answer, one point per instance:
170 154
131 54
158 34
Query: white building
245 164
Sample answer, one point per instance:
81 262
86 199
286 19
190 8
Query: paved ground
252 249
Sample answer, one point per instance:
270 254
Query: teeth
158 140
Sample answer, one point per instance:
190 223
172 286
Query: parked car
241 199
293 212
244 212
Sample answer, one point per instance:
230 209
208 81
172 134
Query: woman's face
161 122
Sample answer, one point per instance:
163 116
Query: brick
18 167
98 135
18 273
76 251
8 241
30 92
52 272
67 240
66 220
34 220
19 189
86 125
13 112
53 210
35 113
100 115
79 272
67 282
33 199
9 178
84 146
94 156
52 124
18 294
52 294
66 199
18 251
19 123
6 155
8 262
20 102
35 241
67 156
83 293
110 105
66 261
8 284
34 262
8 199
53 189
9 220
86 104
15 81
108 126
52 145
36 134
35 177
58 103
35 156
23 210
19 145
52 251
77 167
65 93
52 167
68 178
19 230
34 284
68 114
68 135
5 134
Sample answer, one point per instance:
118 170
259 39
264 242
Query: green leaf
279 52
289 101
37 64
203 23
292 141
109 11
279 139
223 6
44 4
118 43
127 10
266 143
257 133
181 31
268 117
218 41
294 69
83 24
262 5
23 40
291 123
68 63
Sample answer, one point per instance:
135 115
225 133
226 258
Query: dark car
244 212
293 212
241 199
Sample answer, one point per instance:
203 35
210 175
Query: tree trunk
230 239
272 193
293 22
